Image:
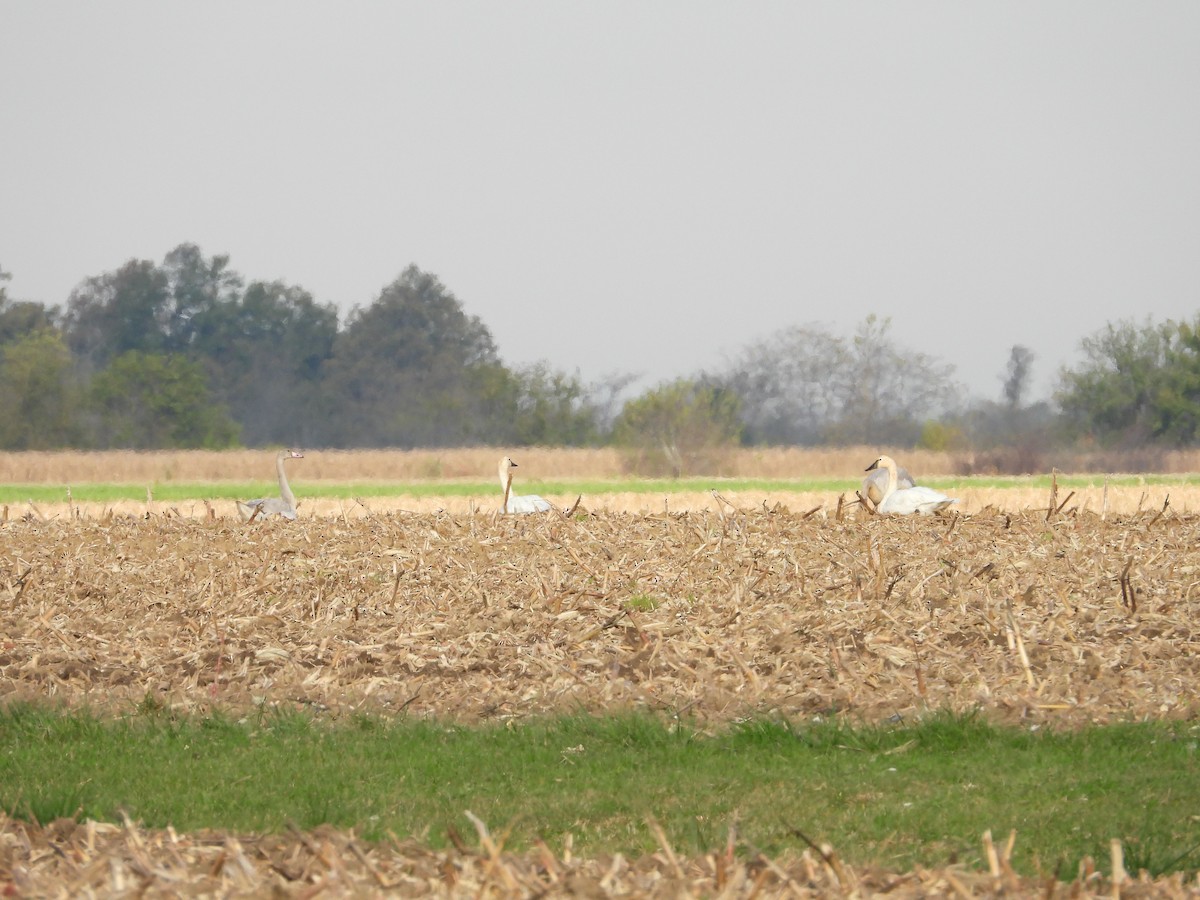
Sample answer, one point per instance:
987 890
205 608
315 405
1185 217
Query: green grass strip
231 490
892 796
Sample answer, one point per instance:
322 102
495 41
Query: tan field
541 463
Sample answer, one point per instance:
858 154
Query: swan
875 483
526 503
284 504
902 501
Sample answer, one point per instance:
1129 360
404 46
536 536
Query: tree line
187 353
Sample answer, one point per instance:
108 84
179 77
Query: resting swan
875 483
902 501
527 503
283 505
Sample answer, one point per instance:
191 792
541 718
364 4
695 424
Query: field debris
723 613
66 858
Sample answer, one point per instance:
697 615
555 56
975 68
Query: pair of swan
897 493
283 505
876 481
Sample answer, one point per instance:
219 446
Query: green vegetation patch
887 795
233 490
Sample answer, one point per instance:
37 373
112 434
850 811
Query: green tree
1137 385
264 352
117 312
552 408
149 308
38 393
197 289
406 371
20 318
149 401
679 428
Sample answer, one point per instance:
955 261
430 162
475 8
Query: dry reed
78 467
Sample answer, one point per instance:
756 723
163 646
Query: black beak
871 466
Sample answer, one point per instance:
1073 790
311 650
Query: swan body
283 505
525 503
905 501
875 483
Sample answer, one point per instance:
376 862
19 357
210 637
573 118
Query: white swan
283 505
526 503
903 501
875 483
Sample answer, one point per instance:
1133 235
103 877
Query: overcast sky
628 187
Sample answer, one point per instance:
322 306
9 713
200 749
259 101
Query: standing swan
518 504
902 501
284 504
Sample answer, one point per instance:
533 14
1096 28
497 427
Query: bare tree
807 385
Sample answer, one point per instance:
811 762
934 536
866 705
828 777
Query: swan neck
284 490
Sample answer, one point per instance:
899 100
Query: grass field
899 795
739 671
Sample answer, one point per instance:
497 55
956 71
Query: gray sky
628 186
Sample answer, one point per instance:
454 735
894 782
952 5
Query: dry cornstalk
1159 514
989 853
1119 875
1015 633
1053 494
1128 592
661 837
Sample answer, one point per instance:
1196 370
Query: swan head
884 462
289 454
506 464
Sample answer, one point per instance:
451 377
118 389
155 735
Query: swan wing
917 499
528 503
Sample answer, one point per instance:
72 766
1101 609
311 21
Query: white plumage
283 505
875 483
904 501
526 503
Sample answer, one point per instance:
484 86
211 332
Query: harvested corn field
69 859
721 615
710 613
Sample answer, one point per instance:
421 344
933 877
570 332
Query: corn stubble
1049 616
